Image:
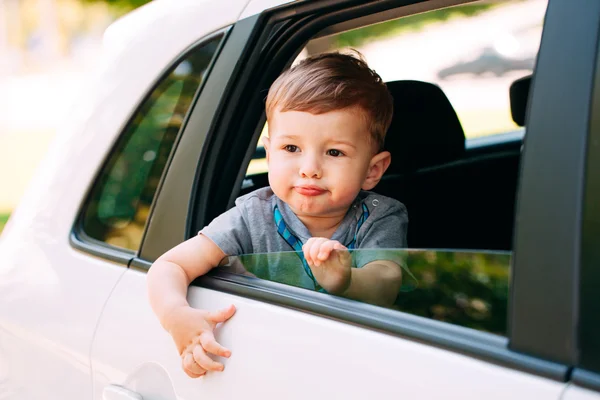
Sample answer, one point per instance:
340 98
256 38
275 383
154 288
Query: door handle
116 392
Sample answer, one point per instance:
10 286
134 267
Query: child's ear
267 143
378 165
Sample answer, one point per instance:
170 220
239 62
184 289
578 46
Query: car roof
175 19
179 20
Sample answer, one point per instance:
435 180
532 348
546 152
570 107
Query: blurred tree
463 288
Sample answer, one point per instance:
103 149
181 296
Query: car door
71 238
54 278
288 342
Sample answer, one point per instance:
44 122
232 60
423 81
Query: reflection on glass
462 288
120 201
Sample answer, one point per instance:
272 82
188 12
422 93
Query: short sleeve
230 233
383 232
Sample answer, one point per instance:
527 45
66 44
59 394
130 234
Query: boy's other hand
193 333
330 263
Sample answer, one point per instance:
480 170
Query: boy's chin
307 208
317 210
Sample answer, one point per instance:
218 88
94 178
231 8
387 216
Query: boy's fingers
339 246
213 347
190 367
306 249
221 315
314 250
192 374
204 361
326 249
342 252
321 252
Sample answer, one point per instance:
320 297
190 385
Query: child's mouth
309 190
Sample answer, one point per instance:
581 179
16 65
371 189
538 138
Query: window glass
120 201
469 289
473 52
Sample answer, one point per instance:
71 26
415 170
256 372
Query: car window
473 52
465 205
119 203
464 288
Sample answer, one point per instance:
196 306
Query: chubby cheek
275 180
345 190
280 176
347 178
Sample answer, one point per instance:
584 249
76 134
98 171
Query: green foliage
463 288
3 220
359 36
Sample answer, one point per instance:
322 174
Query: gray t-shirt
250 228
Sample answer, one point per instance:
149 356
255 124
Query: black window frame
78 238
278 34
547 248
587 373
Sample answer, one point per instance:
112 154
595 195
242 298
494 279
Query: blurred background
48 48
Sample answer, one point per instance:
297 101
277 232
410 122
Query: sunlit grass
3 220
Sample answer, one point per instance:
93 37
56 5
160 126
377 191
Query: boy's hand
192 331
330 263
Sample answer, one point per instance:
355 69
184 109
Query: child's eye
334 153
291 148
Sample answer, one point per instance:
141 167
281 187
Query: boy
327 121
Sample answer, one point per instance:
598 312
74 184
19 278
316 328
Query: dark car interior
457 196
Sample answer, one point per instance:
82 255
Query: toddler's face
319 163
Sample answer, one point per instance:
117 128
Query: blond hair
330 82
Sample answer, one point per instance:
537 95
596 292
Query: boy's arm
172 273
192 329
378 282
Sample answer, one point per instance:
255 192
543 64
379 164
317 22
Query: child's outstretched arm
378 282
192 329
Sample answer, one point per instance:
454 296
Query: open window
460 78
455 144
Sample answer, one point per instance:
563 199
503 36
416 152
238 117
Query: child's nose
310 168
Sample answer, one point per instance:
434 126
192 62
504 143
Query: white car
504 234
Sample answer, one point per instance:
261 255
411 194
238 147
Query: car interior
457 197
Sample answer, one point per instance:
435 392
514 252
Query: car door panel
574 392
279 352
40 348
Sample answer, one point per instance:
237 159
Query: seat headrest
519 93
425 130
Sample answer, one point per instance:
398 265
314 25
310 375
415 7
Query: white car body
75 326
